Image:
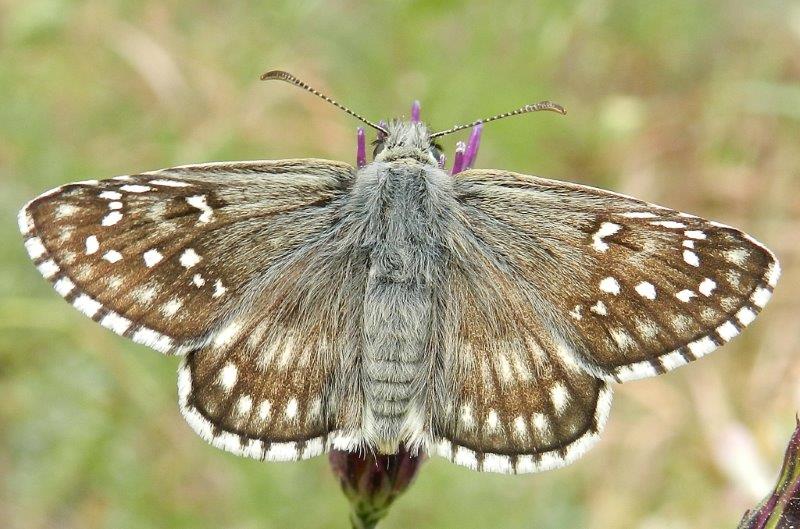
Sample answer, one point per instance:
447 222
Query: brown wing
631 288
159 257
516 402
269 383
223 262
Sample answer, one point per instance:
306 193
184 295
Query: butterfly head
406 139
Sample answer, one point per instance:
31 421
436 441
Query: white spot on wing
65 210
227 376
111 218
736 256
219 289
695 234
541 423
198 280
111 195
112 256
646 290
691 258
244 405
492 420
199 202
145 294
506 374
599 308
707 286
681 322
622 338
606 229
227 334
92 244
520 427
189 258
291 409
135 188
685 295
610 285
466 416
264 410
168 183
152 257
669 224
559 395
171 307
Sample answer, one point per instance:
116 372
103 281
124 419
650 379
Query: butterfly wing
576 287
187 259
513 402
633 289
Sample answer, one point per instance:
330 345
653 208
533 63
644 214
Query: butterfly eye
378 148
436 151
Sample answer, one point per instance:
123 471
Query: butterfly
482 316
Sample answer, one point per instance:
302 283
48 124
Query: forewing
159 257
225 262
631 289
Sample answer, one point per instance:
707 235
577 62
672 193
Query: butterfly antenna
542 105
289 78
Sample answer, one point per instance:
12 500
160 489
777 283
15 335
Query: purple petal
373 482
472 146
415 112
458 160
361 149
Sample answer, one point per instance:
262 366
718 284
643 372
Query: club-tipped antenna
289 78
542 105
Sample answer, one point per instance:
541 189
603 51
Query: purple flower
781 509
415 111
458 159
361 148
372 482
472 146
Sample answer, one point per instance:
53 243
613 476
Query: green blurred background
695 105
